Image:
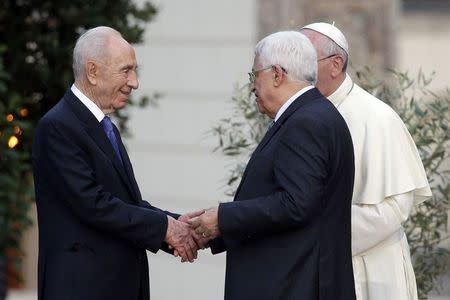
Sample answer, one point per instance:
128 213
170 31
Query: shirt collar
342 91
289 102
93 108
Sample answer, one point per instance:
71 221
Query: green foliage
427 117
15 178
239 134
37 38
40 37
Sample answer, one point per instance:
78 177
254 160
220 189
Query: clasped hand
191 232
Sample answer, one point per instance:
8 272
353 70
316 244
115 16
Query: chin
262 109
123 102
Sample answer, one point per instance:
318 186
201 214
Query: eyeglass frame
252 74
329 56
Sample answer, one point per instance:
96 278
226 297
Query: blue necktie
109 130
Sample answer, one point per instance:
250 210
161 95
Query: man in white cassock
389 175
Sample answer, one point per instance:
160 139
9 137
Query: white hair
91 45
329 47
292 51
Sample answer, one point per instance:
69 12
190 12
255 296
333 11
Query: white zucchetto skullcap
330 31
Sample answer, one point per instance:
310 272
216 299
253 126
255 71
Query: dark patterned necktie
109 130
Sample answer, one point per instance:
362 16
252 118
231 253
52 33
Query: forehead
121 52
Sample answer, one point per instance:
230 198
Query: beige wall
424 42
30 246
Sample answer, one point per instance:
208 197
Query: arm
145 204
217 245
74 181
373 223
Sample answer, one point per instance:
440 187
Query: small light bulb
17 130
23 112
12 142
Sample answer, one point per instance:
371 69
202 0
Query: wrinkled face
117 77
262 87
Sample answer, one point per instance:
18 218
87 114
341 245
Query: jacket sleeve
146 204
217 245
70 173
164 246
300 169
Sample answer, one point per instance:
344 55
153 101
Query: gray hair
329 47
292 51
91 45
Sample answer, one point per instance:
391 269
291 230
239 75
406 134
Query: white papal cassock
389 180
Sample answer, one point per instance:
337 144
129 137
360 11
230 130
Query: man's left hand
206 225
186 217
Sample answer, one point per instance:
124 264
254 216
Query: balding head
92 45
105 68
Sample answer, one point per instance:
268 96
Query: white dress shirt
93 108
289 102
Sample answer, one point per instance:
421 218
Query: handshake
191 232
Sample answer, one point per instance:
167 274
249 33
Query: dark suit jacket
287 233
93 225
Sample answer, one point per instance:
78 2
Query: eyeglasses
329 56
252 74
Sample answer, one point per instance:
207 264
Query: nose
133 81
252 86
253 91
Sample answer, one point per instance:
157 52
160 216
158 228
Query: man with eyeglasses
287 232
389 175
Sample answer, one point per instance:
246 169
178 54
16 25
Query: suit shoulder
60 113
363 99
362 108
322 111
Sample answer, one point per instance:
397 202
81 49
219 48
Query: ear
92 72
278 75
337 64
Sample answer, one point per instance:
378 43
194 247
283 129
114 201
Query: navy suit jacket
93 225
287 233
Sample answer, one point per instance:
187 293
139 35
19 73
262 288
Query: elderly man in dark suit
94 226
287 232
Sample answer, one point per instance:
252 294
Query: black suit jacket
93 225
287 233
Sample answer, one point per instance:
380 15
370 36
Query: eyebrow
129 66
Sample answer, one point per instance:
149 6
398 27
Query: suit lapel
303 99
99 136
95 130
